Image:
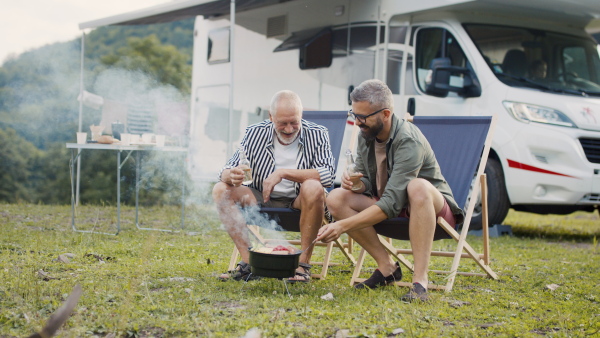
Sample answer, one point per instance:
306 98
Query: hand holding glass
353 174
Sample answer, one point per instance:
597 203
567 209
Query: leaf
342 333
328 296
44 275
63 259
396 332
552 287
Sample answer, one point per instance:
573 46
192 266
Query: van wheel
498 203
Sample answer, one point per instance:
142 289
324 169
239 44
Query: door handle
411 106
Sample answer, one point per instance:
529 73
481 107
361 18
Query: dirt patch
151 332
585 246
229 305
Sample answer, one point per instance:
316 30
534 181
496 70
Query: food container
117 129
274 265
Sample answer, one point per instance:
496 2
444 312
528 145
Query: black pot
274 266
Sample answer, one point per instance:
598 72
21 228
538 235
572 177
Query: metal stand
76 152
138 165
72 167
281 279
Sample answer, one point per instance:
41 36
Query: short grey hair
287 98
376 92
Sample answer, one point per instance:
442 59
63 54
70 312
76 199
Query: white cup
160 140
147 137
81 138
125 139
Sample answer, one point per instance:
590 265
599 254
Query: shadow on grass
578 226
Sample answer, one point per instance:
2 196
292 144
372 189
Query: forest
39 107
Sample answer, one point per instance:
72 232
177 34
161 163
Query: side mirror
437 82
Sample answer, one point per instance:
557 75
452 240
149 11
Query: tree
164 63
39 109
17 159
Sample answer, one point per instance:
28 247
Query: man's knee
335 200
218 190
420 191
312 190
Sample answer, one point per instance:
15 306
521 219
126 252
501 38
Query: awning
178 10
299 39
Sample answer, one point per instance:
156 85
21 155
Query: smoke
236 214
36 91
253 216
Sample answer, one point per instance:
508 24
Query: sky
29 24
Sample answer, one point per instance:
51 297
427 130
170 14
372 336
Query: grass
162 284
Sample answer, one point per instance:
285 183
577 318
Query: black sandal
240 273
306 274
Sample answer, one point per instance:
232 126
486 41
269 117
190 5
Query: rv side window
218 46
437 43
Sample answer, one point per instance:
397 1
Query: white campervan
531 63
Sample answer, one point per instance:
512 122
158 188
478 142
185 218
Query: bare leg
311 201
227 199
425 202
343 204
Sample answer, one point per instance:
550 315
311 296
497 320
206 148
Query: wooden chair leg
345 251
252 230
484 220
387 243
326 261
350 245
234 258
359 263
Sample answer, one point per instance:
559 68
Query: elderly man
399 176
291 162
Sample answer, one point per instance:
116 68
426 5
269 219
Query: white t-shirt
285 158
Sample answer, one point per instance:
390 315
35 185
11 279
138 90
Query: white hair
287 98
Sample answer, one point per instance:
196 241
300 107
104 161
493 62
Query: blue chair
461 146
289 219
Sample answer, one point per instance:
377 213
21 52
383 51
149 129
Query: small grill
274 266
591 148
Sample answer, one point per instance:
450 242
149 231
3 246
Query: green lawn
162 284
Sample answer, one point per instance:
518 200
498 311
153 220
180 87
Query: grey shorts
280 202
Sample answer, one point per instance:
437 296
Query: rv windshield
548 61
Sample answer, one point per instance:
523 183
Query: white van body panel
543 164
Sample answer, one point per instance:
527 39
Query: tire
498 203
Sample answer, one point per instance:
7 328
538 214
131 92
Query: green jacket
409 156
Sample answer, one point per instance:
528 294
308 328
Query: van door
431 43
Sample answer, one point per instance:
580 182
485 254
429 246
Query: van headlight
526 113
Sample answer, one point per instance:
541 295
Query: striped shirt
314 153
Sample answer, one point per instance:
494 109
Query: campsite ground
155 284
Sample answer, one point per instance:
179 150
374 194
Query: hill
39 108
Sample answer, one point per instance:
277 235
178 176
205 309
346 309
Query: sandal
417 292
304 275
241 272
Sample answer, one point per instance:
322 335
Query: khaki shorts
280 202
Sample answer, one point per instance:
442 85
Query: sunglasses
363 118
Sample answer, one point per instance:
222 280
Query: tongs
311 244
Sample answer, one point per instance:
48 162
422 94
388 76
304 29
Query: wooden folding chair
461 146
289 219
